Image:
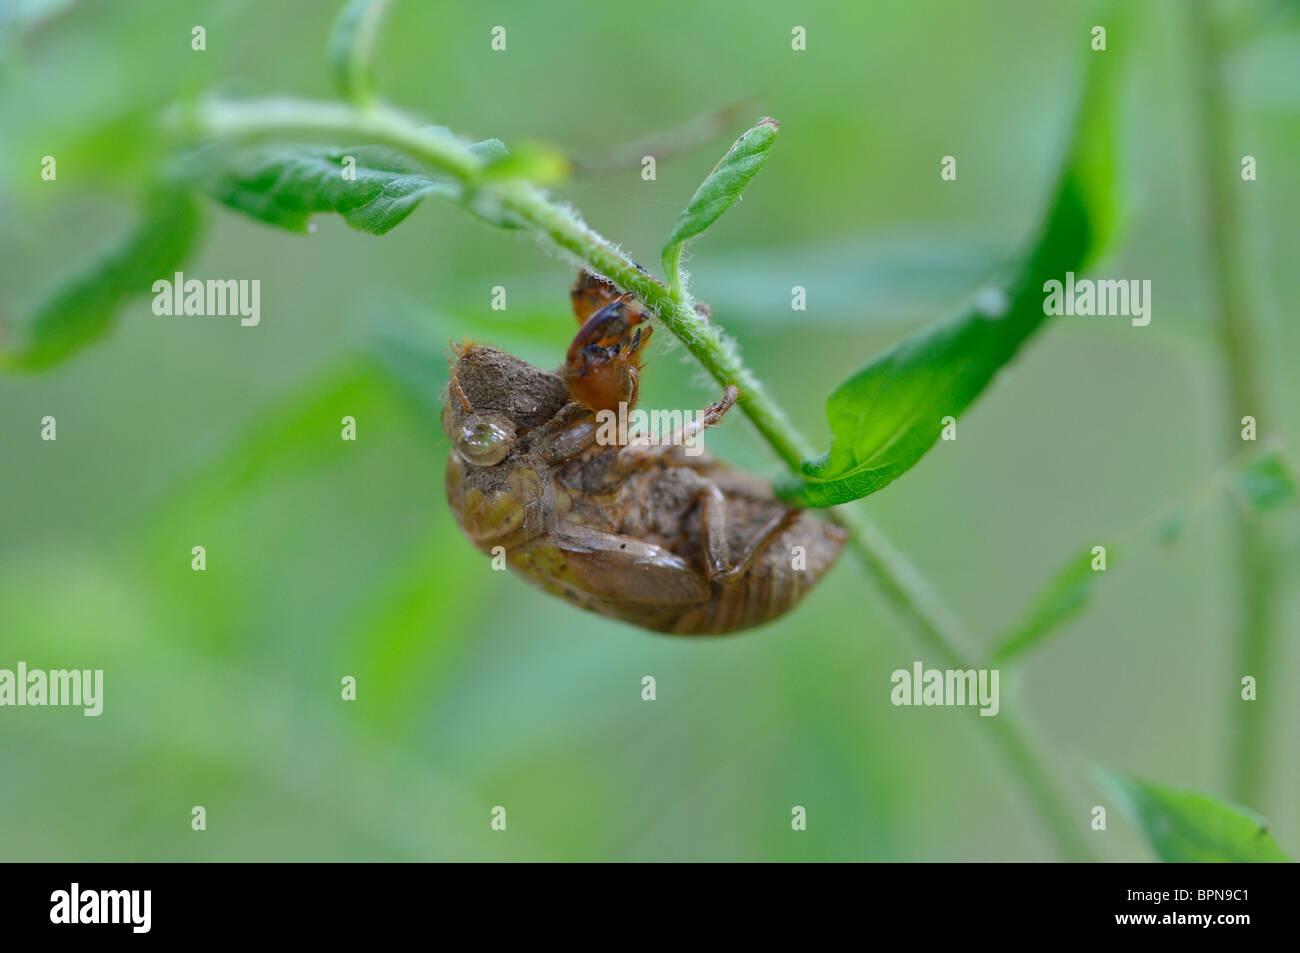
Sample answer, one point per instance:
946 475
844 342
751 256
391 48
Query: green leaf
374 188
1065 596
351 46
1265 483
720 190
885 417
1263 480
1189 827
489 150
82 309
409 636
294 437
374 191
392 383
537 162
414 365
18 16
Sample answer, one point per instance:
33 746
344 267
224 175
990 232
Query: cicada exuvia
641 530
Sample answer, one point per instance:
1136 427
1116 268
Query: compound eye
483 442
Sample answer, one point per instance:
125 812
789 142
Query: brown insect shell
513 501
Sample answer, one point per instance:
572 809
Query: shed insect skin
643 533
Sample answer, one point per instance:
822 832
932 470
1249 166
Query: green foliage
537 162
374 192
720 190
82 308
1266 483
410 633
287 186
1263 482
19 15
885 417
1189 827
351 47
1065 596
296 437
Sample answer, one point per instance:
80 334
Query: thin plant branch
1256 576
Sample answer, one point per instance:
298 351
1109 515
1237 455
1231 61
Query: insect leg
713 519
565 435
643 450
758 544
717 550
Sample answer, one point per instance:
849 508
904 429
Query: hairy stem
1230 279
903 585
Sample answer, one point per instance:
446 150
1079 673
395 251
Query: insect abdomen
777 581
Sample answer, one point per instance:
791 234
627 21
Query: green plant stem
945 636
1230 278
903 585
267 119
673 269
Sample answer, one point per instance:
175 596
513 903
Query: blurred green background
328 559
